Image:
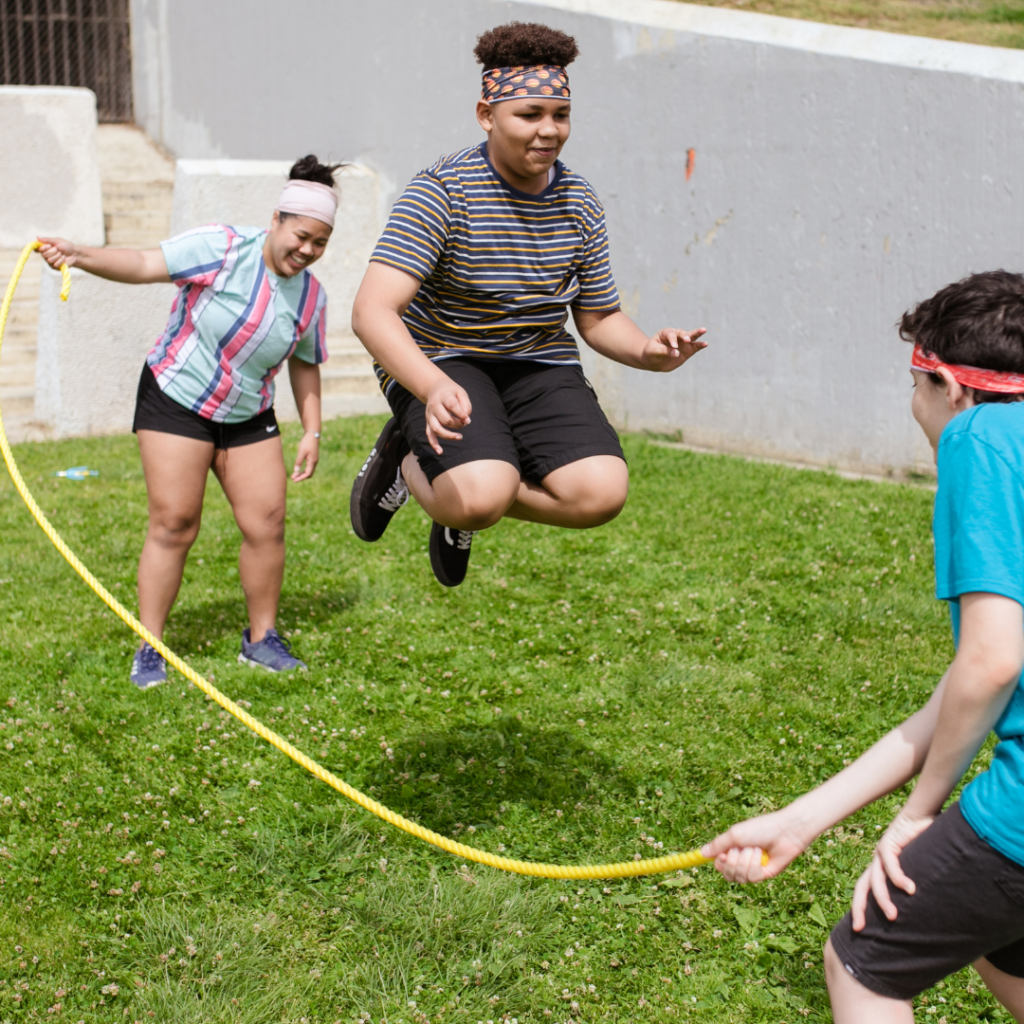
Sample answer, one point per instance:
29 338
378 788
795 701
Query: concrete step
17 401
17 355
25 428
20 336
139 229
348 358
28 286
352 382
132 196
334 406
125 153
18 376
24 312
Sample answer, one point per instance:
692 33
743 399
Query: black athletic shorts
536 416
969 904
155 411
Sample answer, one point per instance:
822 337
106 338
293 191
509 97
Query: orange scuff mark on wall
691 159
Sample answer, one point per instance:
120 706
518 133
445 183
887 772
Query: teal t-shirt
979 548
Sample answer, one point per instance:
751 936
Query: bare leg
175 469
1005 987
472 496
852 1003
585 493
254 480
475 495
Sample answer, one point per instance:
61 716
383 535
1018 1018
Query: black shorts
536 416
969 904
155 411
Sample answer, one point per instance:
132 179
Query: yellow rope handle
624 869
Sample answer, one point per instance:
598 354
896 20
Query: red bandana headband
999 381
544 81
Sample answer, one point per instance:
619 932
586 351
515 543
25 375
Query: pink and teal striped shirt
233 323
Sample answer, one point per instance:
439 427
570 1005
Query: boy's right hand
738 853
57 251
448 408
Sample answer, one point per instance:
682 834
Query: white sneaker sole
266 668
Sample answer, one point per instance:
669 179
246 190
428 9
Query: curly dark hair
525 42
309 168
978 321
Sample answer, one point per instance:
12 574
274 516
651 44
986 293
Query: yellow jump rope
624 869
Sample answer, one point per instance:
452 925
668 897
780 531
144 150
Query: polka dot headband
541 80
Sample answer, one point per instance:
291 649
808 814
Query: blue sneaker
148 668
273 653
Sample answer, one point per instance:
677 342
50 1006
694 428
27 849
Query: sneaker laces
397 495
276 642
465 539
150 658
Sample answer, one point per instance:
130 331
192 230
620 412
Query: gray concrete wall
839 176
49 177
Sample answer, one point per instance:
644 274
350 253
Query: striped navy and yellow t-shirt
499 267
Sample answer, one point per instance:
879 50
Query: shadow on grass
465 775
193 622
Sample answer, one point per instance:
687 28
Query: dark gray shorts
537 417
969 904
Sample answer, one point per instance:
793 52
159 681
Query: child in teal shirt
945 888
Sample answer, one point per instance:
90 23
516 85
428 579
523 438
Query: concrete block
49 176
91 350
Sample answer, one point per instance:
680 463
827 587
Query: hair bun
309 168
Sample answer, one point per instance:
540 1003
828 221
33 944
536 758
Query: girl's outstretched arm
129 266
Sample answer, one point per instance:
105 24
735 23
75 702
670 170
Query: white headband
309 199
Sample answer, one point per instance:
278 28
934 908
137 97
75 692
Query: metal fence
70 42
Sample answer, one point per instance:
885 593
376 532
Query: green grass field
989 22
734 637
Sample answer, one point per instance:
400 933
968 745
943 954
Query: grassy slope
582 697
988 22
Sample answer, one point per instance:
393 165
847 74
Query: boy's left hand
308 453
885 867
670 348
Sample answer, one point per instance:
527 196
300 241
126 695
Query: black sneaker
449 554
379 490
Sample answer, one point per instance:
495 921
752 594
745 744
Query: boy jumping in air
464 306
945 888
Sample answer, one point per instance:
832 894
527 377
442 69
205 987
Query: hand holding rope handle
623 869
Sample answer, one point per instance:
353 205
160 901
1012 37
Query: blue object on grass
77 472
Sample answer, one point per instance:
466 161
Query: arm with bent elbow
382 299
939 741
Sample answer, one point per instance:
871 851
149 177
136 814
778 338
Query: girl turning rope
247 303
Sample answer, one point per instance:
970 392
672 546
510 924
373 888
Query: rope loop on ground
623 869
